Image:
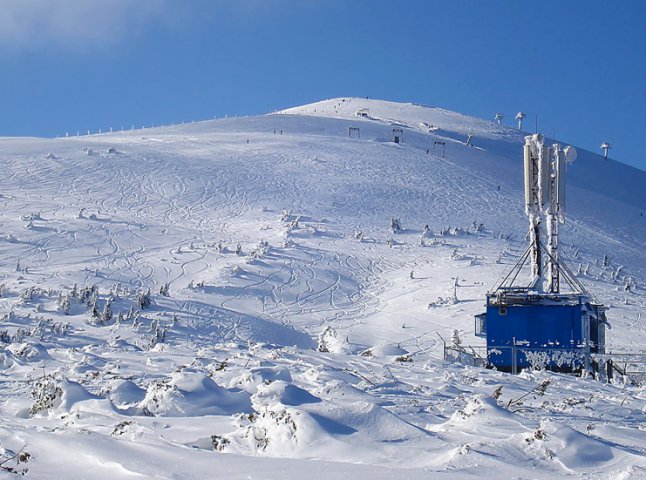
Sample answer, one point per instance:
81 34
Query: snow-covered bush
261 250
64 304
144 300
106 314
47 394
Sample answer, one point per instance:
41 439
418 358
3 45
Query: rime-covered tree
106 315
144 300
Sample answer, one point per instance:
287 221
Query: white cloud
79 23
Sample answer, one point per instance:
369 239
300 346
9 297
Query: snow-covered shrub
106 314
261 250
95 316
270 423
158 334
404 358
30 217
329 341
27 295
294 224
64 304
328 334
219 443
21 457
87 295
144 300
47 394
286 215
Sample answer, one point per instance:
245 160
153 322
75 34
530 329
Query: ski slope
289 327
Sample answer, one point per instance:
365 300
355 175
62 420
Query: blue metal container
555 331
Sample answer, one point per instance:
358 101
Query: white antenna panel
529 177
559 171
544 175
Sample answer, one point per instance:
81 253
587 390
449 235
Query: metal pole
514 367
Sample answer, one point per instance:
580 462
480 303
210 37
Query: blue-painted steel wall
535 325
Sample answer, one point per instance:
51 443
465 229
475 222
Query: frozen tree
94 309
106 315
144 300
47 393
456 338
64 304
328 336
159 334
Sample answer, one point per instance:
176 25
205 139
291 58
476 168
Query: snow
316 349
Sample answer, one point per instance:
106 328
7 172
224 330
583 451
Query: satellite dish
570 154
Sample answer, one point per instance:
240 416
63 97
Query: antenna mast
545 202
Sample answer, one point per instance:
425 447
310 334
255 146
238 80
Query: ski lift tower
520 116
540 310
605 146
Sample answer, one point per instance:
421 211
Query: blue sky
74 65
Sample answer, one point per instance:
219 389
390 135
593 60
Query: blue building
525 329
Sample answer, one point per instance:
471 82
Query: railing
629 366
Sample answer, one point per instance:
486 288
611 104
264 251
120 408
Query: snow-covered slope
288 326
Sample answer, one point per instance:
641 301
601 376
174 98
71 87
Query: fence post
514 366
443 345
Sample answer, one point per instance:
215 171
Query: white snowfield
289 332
